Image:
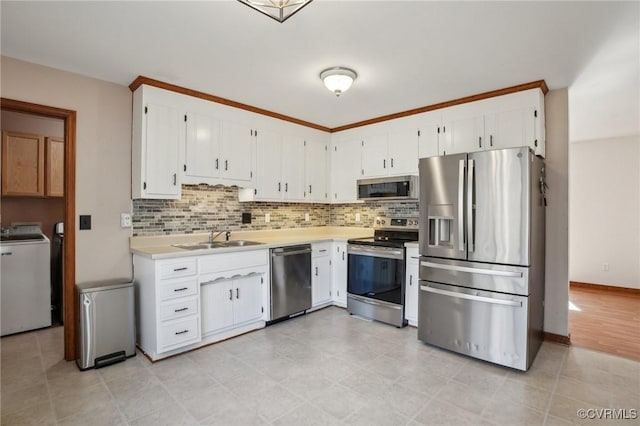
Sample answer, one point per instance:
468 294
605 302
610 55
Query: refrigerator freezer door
485 325
499 194
442 204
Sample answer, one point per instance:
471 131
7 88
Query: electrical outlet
306 217
125 220
605 267
267 217
357 217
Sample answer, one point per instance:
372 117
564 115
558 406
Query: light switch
357 217
306 217
267 217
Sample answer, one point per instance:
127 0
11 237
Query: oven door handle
455 294
384 252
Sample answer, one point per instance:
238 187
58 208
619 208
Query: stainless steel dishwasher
290 281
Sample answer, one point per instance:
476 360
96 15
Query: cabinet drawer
179 332
320 249
178 288
177 268
179 308
228 261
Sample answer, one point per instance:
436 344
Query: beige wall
605 211
557 245
103 157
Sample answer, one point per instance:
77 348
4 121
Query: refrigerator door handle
470 206
455 268
457 295
461 236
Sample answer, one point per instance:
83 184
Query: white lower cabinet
412 285
227 302
339 273
187 302
320 274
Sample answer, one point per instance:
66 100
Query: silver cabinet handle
180 289
392 163
455 268
181 309
230 294
316 271
237 293
490 140
470 187
410 279
226 165
181 332
457 295
286 187
343 255
309 189
217 163
184 268
480 141
279 187
174 179
461 206
384 163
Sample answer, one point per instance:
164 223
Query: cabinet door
429 138
320 280
507 129
269 166
55 167
315 171
22 164
164 134
412 287
339 274
292 169
236 159
463 134
247 293
216 305
375 160
345 170
202 148
403 152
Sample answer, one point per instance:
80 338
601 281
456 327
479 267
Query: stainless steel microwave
392 188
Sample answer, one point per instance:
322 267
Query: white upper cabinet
268 166
375 156
403 151
158 137
315 161
345 170
236 153
392 153
463 130
292 154
429 134
202 148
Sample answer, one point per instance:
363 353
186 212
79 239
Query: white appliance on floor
25 282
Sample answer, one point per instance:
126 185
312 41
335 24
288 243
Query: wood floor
605 321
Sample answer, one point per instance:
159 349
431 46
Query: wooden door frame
70 310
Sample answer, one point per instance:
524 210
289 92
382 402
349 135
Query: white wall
605 211
556 308
103 157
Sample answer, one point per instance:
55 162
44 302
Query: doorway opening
68 151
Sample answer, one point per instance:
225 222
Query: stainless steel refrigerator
482 236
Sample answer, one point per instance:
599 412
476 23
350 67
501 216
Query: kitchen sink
216 244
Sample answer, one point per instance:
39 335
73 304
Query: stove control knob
384 221
377 221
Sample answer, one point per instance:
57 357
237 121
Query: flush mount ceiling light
280 10
338 79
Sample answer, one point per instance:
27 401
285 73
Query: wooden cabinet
23 160
320 274
345 170
339 273
315 161
55 167
32 165
412 286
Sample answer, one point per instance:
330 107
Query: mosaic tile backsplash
203 208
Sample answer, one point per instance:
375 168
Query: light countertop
161 247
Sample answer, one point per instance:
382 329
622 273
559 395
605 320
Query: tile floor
325 368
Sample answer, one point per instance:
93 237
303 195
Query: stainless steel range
376 265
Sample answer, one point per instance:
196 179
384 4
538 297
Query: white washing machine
25 282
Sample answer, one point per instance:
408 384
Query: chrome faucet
227 235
